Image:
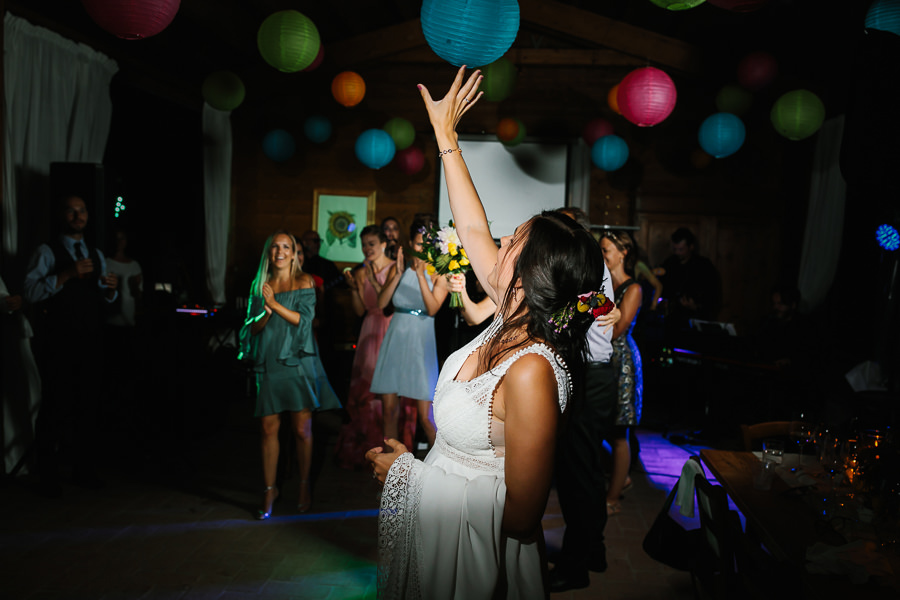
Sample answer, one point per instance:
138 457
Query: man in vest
70 290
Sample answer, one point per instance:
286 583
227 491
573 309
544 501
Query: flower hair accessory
595 302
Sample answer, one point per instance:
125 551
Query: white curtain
216 196
824 217
57 109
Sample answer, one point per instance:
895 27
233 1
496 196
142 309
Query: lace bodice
467 431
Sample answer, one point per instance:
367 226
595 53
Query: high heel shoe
302 506
266 511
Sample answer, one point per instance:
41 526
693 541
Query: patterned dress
626 360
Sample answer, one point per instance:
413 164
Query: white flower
447 236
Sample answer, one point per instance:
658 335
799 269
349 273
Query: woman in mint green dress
278 336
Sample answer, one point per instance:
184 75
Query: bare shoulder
305 281
531 371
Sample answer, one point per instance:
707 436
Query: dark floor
175 521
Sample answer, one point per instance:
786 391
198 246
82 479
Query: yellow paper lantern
612 98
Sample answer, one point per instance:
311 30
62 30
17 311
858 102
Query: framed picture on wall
338 217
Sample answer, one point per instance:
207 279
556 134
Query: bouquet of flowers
444 255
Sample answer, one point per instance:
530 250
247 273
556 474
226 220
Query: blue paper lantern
470 32
375 148
609 152
884 15
721 134
887 237
317 129
279 145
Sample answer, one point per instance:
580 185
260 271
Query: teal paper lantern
279 145
401 131
798 114
375 148
734 99
499 80
223 90
721 134
609 152
288 41
677 4
884 15
470 32
317 129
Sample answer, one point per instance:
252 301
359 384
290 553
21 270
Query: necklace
511 337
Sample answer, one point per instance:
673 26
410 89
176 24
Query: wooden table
786 524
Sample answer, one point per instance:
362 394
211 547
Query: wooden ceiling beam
570 57
376 45
591 27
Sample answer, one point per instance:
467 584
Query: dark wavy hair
559 260
625 243
375 230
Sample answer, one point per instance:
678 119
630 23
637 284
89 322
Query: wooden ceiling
208 35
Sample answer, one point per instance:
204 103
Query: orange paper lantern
612 98
348 88
508 129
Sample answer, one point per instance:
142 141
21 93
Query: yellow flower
463 252
430 269
451 248
582 307
453 265
464 261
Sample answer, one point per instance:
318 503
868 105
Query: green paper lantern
798 114
401 131
499 80
223 90
733 99
288 41
677 4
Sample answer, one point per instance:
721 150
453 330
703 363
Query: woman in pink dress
364 429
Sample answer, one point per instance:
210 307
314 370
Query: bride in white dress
465 523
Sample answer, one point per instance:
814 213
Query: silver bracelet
449 151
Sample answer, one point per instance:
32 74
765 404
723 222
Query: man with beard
70 289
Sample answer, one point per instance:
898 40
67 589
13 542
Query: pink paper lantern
757 70
646 96
410 160
132 19
595 130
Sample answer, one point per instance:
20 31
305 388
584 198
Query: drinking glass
773 451
802 433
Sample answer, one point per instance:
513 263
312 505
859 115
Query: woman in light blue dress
407 362
278 336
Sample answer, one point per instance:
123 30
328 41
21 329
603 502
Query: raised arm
468 212
631 302
643 272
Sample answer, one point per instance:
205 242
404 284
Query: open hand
445 113
401 260
609 320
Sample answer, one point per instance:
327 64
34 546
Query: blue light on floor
887 237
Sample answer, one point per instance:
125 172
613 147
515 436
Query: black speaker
90 182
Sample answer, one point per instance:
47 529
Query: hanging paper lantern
612 98
132 20
223 90
721 134
288 41
677 4
320 56
348 88
757 70
646 96
740 6
401 131
595 130
609 152
733 99
798 114
499 80
411 160
510 131
375 148
474 32
317 129
884 15
279 145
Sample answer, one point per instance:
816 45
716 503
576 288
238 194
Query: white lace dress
439 525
